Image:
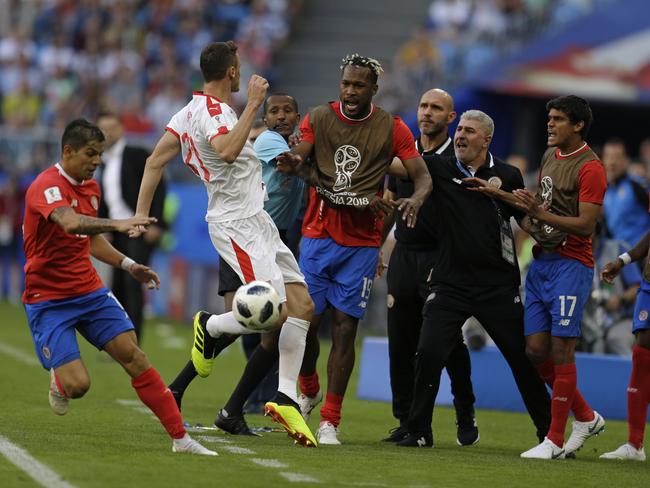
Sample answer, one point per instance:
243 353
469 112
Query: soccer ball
257 306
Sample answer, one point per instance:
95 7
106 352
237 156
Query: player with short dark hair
64 294
353 143
285 194
214 144
561 217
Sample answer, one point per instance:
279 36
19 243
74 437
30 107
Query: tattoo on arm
75 223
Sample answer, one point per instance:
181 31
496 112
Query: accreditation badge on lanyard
505 231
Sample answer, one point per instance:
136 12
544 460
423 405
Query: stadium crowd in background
460 36
133 58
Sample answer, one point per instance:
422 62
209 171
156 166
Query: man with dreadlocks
353 143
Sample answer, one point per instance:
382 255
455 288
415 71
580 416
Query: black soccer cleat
416 440
467 432
233 424
396 434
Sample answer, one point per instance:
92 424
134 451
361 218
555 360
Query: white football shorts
253 248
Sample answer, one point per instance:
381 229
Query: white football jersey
235 191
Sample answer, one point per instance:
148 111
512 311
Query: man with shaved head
408 270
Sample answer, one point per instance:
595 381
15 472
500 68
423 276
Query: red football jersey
58 264
349 226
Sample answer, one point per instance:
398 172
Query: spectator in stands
626 201
21 107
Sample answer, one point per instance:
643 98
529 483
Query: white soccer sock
226 323
291 346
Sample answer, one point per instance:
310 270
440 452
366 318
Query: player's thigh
353 277
537 316
249 247
52 326
570 287
104 319
229 281
316 256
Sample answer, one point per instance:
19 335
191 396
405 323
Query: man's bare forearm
74 223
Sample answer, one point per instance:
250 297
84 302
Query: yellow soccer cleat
203 346
292 421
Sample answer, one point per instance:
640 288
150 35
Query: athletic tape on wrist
126 263
626 258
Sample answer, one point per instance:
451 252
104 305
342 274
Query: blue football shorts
338 275
642 308
98 316
557 290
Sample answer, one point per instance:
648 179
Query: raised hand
257 88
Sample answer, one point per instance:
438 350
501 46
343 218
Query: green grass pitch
108 440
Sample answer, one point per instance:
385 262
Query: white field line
269 463
237 450
299 478
39 472
209 438
19 354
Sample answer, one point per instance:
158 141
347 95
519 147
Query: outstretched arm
294 162
74 223
168 147
611 270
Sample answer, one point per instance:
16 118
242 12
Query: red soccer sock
154 394
581 409
638 395
331 411
309 385
564 388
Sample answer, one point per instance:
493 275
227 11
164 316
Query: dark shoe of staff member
233 424
416 440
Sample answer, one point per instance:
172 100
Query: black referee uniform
408 270
471 276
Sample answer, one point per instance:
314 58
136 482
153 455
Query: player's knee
133 359
76 387
345 332
536 354
301 306
643 338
